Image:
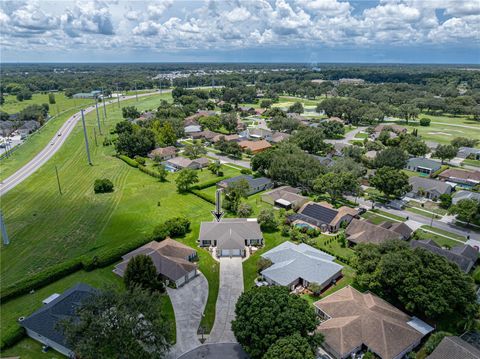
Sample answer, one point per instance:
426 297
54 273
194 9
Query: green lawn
440 240
422 213
469 162
445 233
62 103
391 216
27 304
411 173
428 206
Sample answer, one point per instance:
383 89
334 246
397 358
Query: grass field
440 240
25 305
46 228
62 103
445 233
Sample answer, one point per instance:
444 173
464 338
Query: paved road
231 286
217 351
52 147
450 227
188 304
350 136
225 159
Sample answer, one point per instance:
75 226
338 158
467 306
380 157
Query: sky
306 31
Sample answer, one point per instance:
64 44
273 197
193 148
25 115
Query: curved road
53 146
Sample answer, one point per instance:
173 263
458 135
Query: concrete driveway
188 303
231 286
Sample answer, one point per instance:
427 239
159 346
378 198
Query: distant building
163 153
255 146
423 165
459 195
463 177
92 94
469 152
428 188
256 185
285 197
181 163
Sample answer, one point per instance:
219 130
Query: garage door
191 274
180 282
230 252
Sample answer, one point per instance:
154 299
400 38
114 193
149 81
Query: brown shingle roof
255 146
461 174
168 256
366 232
454 348
363 318
163 152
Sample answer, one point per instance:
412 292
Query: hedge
40 279
128 161
204 196
149 172
437 172
112 255
11 336
207 184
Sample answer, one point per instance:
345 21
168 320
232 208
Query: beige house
285 197
163 153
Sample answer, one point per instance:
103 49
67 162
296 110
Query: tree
164 133
215 167
466 209
185 179
110 324
103 186
445 200
337 184
445 152
141 272
392 157
162 172
310 139
266 314
263 263
51 98
24 94
408 111
229 121
332 129
139 142
297 107
244 210
266 219
434 340
266 103
234 193
292 347
464 142
195 150
213 123
410 277
424 121
414 146
130 112
391 182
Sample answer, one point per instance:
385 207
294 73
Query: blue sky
311 31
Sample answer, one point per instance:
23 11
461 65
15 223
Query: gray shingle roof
292 261
230 233
428 184
454 348
459 195
253 182
423 162
44 321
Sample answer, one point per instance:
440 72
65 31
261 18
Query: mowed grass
62 102
27 304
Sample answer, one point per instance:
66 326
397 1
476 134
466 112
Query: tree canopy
390 181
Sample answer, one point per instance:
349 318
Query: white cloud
237 15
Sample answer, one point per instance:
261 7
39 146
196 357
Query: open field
62 103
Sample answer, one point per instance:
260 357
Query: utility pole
6 240
118 97
104 108
136 92
58 181
86 138
98 118
95 135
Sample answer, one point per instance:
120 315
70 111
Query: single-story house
359 231
257 133
428 188
180 163
247 109
172 260
334 119
459 176
469 152
255 146
295 116
463 255
255 184
278 137
91 94
42 325
352 321
454 348
458 196
28 127
392 127
423 165
192 129
206 135
230 236
371 155
322 216
285 197
300 264
163 153
227 138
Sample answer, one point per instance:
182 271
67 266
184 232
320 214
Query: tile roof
454 348
255 145
44 321
168 256
357 319
292 261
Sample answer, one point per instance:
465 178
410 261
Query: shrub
244 210
103 186
207 184
128 160
476 277
140 160
11 336
141 272
357 143
266 219
173 227
434 340
160 232
263 263
161 176
424 121
40 279
246 171
203 195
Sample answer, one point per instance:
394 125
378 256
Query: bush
151 172
263 263
173 227
40 279
140 160
142 272
434 340
11 336
204 196
246 171
207 184
476 277
266 219
424 121
357 143
244 210
103 186
128 160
